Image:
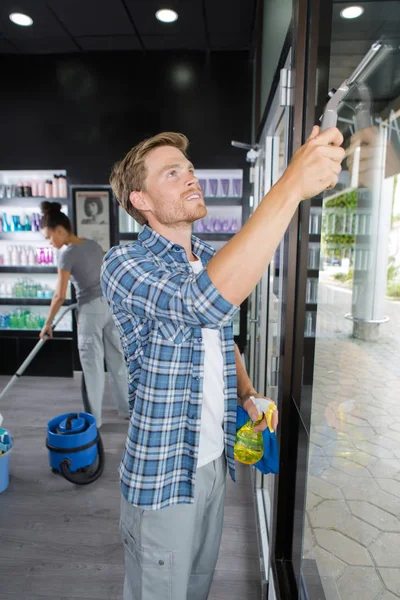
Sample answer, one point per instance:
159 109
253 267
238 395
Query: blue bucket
4 471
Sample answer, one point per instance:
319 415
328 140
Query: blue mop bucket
74 446
4 471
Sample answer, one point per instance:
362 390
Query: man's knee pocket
149 571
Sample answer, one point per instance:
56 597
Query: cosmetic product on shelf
5 224
62 186
27 190
23 257
55 189
237 188
41 188
224 187
14 256
48 189
222 183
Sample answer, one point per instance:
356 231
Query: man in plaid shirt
173 300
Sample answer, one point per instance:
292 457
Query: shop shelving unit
56 357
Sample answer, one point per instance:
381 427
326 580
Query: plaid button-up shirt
160 305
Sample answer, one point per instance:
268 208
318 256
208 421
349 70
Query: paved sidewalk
353 499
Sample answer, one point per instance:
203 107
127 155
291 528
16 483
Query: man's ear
138 201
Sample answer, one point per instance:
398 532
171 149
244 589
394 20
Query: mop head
6 441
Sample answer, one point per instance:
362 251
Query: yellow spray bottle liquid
249 445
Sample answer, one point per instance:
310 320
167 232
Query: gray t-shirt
84 262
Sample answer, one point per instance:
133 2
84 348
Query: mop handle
64 312
40 343
33 353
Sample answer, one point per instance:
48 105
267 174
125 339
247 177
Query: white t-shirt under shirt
212 416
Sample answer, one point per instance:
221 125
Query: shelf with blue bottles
22 294
22 246
22 191
28 264
22 223
20 317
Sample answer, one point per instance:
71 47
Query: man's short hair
130 173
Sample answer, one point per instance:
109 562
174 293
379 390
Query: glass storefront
352 325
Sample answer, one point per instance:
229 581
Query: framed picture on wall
92 212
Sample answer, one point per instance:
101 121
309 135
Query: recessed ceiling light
166 15
21 19
352 12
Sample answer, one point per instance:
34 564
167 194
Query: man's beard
182 217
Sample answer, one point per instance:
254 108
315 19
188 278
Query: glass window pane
353 324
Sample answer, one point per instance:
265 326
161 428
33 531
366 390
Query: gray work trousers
98 339
171 553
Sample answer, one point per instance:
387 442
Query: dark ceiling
65 26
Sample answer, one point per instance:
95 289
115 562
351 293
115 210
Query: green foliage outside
345 276
393 289
393 284
347 202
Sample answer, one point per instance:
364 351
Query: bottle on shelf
48 189
31 257
62 186
23 257
26 225
55 188
35 222
41 188
5 224
15 223
27 190
14 256
7 257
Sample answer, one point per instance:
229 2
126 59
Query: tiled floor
353 500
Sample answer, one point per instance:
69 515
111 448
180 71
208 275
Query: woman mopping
98 338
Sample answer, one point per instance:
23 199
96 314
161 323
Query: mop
31 356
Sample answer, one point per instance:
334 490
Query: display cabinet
28 273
